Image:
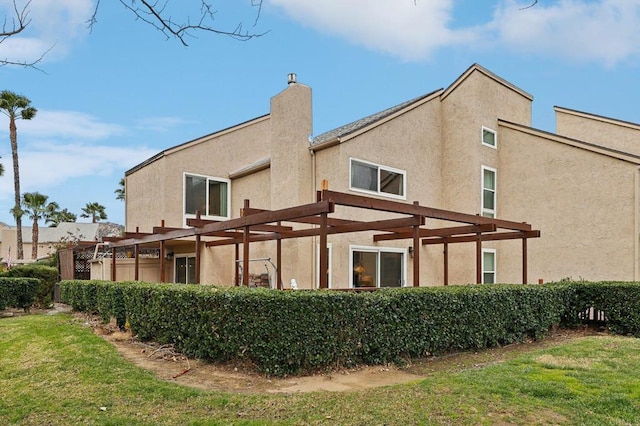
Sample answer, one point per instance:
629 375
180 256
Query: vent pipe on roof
291 78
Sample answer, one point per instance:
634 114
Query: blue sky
111 97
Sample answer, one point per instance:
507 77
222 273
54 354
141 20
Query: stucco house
467 148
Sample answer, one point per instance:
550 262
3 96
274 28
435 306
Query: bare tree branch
19 21
13 25
156 14
530 6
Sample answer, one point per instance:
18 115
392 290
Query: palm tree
120 192
59 216
15 107
95 211
35 206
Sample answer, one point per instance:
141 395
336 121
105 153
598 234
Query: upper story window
208 195
489 179
489 137
376 179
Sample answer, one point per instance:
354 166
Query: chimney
291 78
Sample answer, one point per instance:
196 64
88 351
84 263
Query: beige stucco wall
583 203
477 101
148 270
9 239
155 192
601 131
408 142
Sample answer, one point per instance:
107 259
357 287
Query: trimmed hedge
47 275
619 301
288 332
18 292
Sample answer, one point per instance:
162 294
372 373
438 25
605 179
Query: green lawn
54 371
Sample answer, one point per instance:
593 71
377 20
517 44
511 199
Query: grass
54 371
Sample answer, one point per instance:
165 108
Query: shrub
18 292
285 332
47 276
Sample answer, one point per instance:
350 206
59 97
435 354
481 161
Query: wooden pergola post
324 261
113 264
237 265
479 259
446 262
198 253
162 254
279 262
245 251
198 258
416 252
136 262
524 261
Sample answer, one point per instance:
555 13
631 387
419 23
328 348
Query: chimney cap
291 78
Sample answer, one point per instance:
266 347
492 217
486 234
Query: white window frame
487 212
378 250
495 137
495 265
329 274
175 262
379 167
203 215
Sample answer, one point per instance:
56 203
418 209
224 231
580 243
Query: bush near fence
47 276
288 332
18 292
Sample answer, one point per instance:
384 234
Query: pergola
255 225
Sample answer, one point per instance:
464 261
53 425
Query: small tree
121 191
35 206
95 211
64 215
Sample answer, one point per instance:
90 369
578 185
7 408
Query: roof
367 121
479 68
66 231
576 143
597 117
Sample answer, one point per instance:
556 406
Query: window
318 264
210 196
376 179
488 191
377 267
488 266
489 137
184 269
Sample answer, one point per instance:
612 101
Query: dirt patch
172 366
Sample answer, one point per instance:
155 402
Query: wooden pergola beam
438 232
199 223
359 201
354 226
499 236
239 223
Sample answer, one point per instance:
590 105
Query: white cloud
54 27
52 165
66 125
59 146
403 28
605 31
